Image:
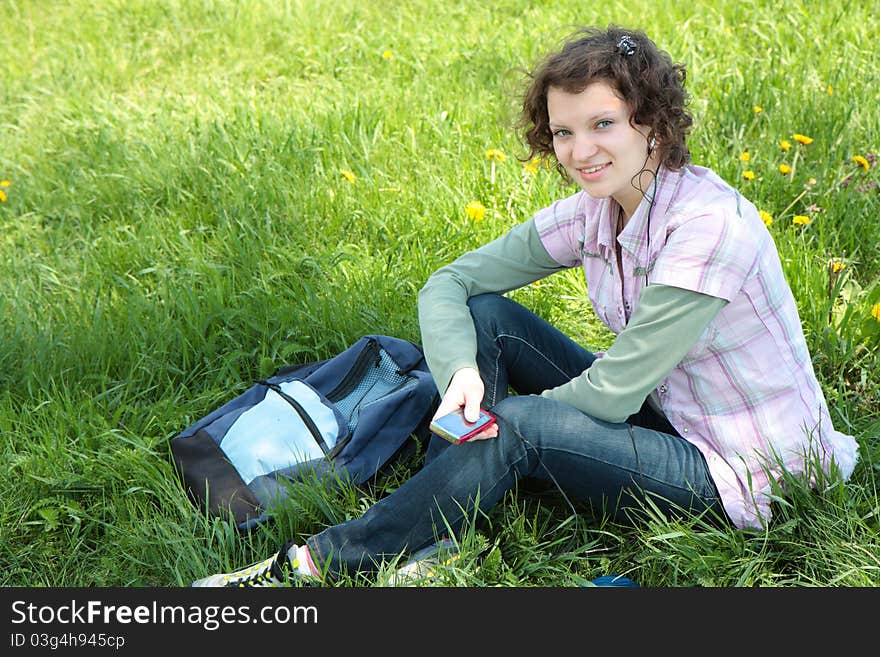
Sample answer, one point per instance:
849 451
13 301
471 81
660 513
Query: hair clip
626 45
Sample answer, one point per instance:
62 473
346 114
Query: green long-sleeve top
663 327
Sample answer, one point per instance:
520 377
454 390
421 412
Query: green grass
177 224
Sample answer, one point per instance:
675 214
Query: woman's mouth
588 173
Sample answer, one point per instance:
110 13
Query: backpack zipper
370 356
307 420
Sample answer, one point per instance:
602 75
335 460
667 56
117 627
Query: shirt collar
634 237
607 216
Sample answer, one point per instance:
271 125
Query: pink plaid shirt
746 394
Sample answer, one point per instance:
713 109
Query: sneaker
420 568
274 572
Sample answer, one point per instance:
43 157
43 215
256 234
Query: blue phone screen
455 424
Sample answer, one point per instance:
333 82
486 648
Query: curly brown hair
642 75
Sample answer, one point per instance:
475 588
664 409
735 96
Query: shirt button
685 430
664 389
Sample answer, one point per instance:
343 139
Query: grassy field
193 193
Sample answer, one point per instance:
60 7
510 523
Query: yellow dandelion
532 165
802 139
875 311
349 175
745 156
862 162
836 266
475 210
387 54
830 90
495 154
2 196
784 168
766 217
758 109
785 144
800 220
749 175
4 183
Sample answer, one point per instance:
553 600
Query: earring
651 145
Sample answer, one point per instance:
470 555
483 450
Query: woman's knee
539 418
517 409
486 307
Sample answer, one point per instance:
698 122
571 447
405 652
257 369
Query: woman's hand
466 391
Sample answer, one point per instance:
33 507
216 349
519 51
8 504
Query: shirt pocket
601 291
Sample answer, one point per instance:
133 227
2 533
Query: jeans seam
495 375
534 348
689 487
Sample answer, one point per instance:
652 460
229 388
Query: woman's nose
584 148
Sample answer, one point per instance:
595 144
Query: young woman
705 396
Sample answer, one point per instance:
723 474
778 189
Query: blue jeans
612 466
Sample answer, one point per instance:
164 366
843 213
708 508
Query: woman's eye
562 132
604 123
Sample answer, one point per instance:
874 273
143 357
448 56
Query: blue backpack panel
339 419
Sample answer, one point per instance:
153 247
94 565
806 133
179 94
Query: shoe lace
264 574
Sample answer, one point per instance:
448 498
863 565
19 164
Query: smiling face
597 146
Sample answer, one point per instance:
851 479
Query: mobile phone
454 428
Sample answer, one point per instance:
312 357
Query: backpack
338 419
